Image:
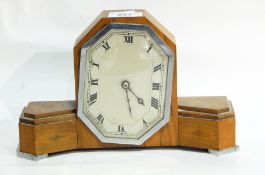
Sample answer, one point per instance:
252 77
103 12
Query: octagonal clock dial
125 80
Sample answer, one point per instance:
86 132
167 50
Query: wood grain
43 134
227 133
168 135
207 104
194 114
42 109
55 137
206 130
205 133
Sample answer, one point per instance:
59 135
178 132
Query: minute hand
140 100
130 109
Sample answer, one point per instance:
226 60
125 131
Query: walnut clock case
125 88
125 73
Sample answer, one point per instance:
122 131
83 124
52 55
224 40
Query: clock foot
31 156
224 151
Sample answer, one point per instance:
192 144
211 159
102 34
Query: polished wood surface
63 132
212 104
206 130
50 128
39 109
168 135
208 134
195 114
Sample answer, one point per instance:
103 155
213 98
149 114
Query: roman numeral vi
121 128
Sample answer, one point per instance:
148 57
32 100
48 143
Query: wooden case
48 127
168 135
206 122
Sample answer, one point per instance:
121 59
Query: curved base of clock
52 127
210 151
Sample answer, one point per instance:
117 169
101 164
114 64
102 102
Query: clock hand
125 85
140 100
130 110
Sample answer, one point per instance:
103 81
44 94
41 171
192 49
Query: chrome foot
224 151
31 156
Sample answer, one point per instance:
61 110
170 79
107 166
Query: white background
221 51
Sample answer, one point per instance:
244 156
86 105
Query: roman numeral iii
154 103
156 86
128 39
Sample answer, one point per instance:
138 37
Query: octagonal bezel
166 116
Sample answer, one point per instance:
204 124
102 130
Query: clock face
125 78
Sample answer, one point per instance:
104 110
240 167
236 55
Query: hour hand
139 100
126 85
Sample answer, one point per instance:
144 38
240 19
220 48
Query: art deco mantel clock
126 96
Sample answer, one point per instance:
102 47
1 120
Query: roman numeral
100 118
121 128
154 103
148 50
93 63
158 67
144 122
94 82
106 46
128 39
156 86
93 98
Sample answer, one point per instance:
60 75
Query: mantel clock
126 95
